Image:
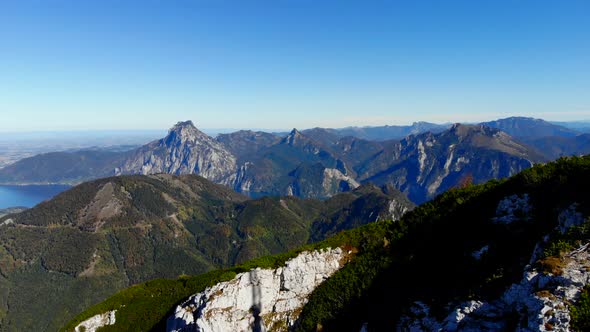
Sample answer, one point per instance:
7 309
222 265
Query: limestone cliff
185 150
94 323
260 299
426 165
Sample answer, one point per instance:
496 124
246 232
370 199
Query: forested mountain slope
504 255
101 236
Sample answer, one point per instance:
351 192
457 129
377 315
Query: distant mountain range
530 128
177 207
384 133
553 140
318 162
554 147
580 126
101 236
15 146
517 126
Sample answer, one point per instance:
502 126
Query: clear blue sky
281 64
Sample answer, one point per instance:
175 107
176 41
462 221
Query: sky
96 65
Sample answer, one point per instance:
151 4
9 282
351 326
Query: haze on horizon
141 65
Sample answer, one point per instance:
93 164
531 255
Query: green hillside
430 259
102 236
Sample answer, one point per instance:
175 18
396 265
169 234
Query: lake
27 196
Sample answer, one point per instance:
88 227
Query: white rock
7 222
95 322
433 187
260 299
332 179
569 218
538 310
512 208
396 210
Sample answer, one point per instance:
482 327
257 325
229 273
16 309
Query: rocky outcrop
539 302
260 299
569 217
185 150
397 209
512 208
296 138
317 180
6 211
334 181
92 324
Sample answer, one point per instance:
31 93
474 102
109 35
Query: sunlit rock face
185 150
260 299
93 323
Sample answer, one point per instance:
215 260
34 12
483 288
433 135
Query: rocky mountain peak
183 124
185 150
185 131
293 137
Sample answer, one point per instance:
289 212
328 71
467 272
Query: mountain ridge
315 163
132 228
522 266
430 163
530 127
